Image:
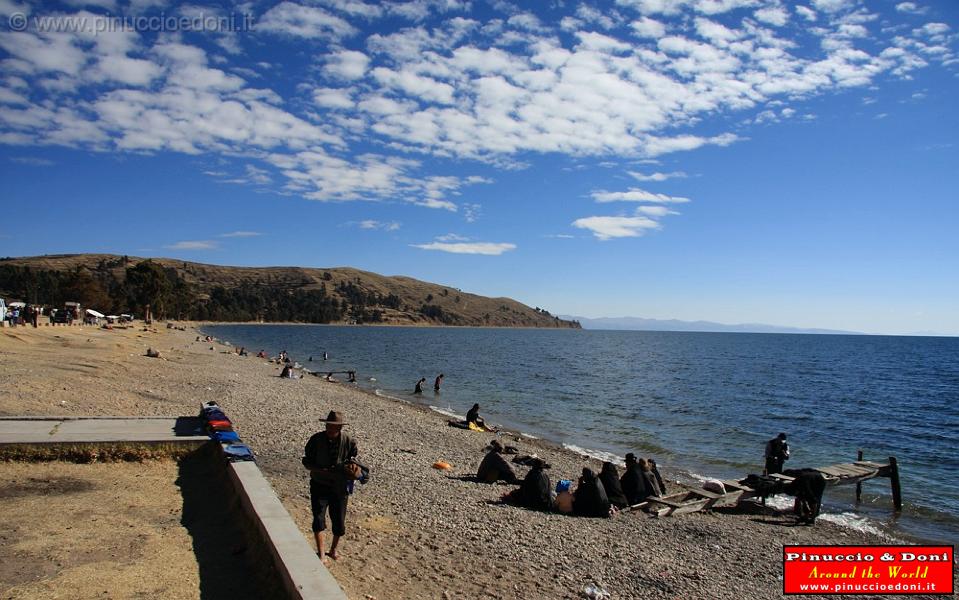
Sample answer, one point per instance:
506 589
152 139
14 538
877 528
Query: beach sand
413 531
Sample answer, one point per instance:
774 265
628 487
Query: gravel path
413 531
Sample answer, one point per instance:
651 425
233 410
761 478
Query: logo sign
868 570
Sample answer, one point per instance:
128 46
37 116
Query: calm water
703 402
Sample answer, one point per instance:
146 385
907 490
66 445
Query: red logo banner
868 570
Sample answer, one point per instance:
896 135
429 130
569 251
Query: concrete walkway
68 430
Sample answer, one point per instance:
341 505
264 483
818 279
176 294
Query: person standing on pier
327 457
777 452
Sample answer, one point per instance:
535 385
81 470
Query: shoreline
835 511
412 531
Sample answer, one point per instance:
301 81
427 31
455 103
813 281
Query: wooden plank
870 464
702 492
829 471
728 499
781 477
731 484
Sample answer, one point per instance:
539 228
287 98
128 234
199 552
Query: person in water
777 452
326 456
436 384
473 417
419 386
614 490
589 499
534 491
494 467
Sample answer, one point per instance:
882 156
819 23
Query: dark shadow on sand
188 426
230 564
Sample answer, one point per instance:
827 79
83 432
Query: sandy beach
413 531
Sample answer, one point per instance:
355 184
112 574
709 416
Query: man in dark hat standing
327 456
777 452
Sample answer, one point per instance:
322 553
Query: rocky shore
413 531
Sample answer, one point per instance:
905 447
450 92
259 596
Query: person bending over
473 417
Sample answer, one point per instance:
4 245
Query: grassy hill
261 293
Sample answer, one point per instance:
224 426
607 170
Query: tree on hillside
147 284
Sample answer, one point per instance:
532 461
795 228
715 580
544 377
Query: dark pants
774 465
323 497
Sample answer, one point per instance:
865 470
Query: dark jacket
534 492
634 484
472 416
494 467
614 491
590 499
329 458
651 488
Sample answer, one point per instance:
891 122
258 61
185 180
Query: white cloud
831 6
483 248
333 98
451 237
241 234
806 13
382 225
289 18
193 245
911 8
472 212
635 195
657 176
607 228
347 64
648 28
774 15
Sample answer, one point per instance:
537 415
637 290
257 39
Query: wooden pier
694 500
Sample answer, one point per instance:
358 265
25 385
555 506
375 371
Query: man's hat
335 418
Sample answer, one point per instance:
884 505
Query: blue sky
727 160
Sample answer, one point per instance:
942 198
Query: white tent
94 313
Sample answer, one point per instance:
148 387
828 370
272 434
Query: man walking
777 452
327 456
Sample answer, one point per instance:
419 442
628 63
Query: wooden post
894 481
859 483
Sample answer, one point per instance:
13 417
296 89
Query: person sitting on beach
419 386
649 480
437 383
494 467
287 372
472 416
614 491
632 482
564 497
153 353
659 478
589 499
352 375
534 492
330 378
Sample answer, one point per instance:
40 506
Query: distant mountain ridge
641 324
302 294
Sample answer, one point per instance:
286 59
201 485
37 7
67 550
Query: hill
189 290
641 324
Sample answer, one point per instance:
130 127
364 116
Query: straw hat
335 418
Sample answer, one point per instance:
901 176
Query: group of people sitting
595 495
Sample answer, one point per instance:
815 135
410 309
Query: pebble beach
413 531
